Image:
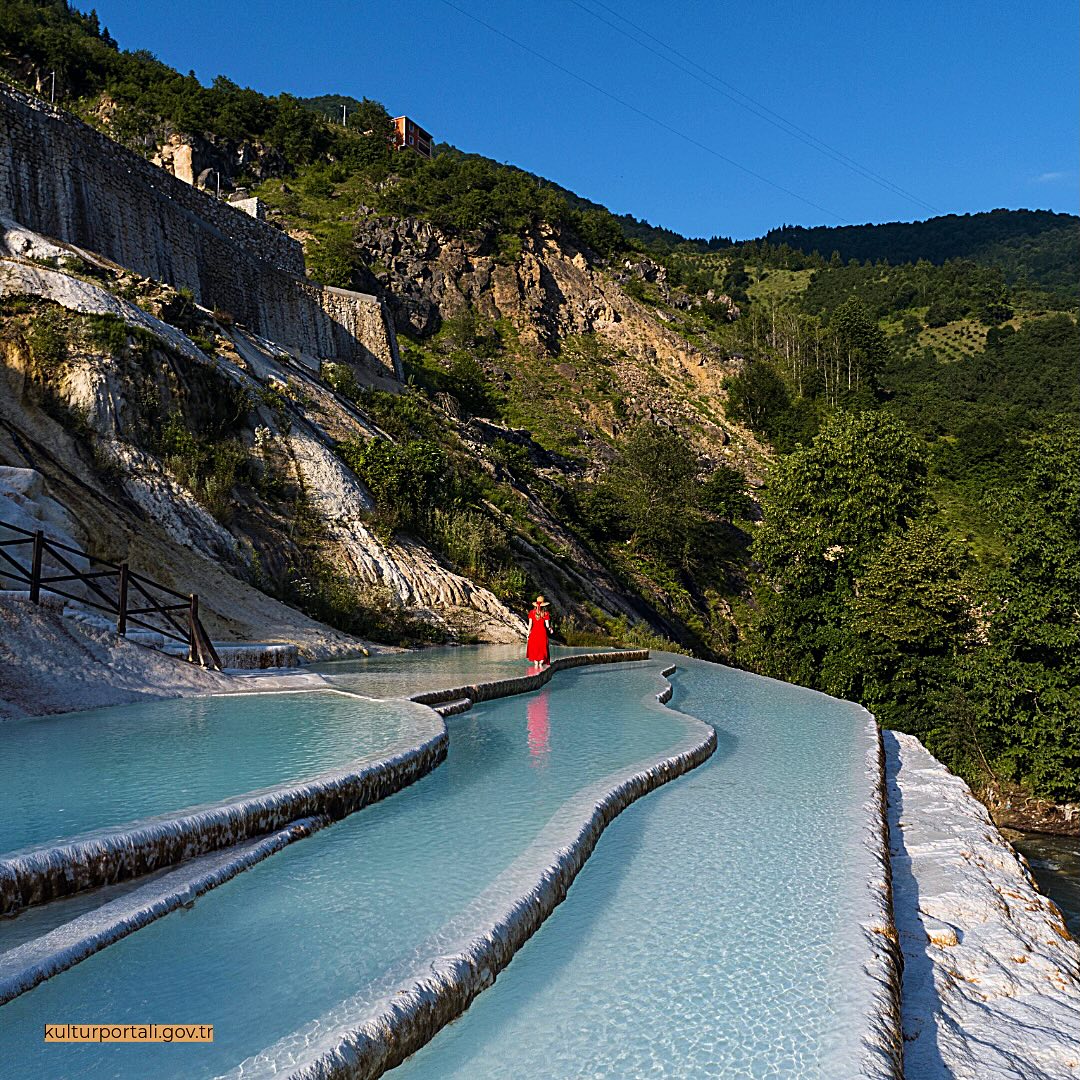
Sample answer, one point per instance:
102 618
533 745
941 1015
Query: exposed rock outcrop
110 394
552 293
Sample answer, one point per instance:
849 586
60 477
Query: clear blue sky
967 106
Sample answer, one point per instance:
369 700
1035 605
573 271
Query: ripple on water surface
287 942
76 772
714 931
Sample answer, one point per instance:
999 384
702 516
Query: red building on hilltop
411 135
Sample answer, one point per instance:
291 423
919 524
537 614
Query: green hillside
946 601
1032 247
914 385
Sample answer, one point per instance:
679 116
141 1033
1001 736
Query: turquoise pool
294 948
715 930
135 761
404 674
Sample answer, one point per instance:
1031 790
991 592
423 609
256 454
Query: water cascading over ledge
108 856
465 957
675 969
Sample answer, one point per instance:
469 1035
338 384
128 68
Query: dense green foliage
948 606
87 61
902 561
864 594
655 497
948 292
1031 247
826 510
425 486
1025 684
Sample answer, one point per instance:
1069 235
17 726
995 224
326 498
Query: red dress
537 648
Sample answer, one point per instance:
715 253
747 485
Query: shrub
511 456
355 607
208 468
404 480
723 493
333 260
107 332
47 338
402 416
342 379
603 513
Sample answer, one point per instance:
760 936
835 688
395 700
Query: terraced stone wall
60 177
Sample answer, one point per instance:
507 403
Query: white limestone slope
412 574
991 976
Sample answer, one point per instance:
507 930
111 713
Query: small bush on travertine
356 607
109 333
208 468
340 377
47 338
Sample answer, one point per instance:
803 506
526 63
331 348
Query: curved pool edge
43 874
883 1043
41 958
111 855
412 1013
523 684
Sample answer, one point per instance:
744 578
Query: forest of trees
867 595
921 526
1030 247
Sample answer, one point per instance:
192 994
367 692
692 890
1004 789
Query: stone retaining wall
60 177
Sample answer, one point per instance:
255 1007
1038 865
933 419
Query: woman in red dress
539 626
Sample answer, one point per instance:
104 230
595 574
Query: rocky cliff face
550 293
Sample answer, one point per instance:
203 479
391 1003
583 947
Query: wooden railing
135 600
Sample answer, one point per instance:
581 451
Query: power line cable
754 107
641 112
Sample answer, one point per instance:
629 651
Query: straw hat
541 602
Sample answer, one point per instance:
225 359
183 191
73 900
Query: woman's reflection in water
539 729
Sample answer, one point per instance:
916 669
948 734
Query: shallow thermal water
714 932
77 772
288 941
404 674
1055 865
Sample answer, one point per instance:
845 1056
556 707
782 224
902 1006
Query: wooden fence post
193 622
35 566
122 604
